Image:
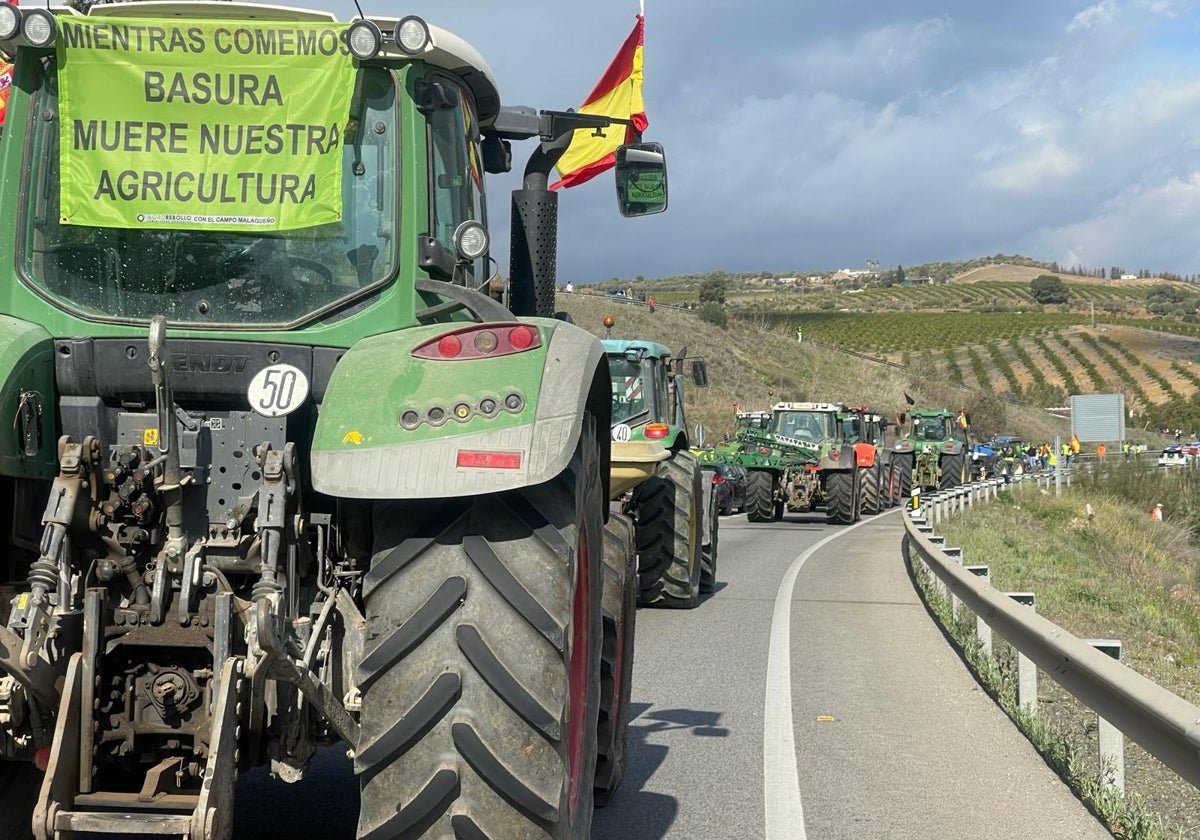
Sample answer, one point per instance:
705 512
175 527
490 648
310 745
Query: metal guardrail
1166 725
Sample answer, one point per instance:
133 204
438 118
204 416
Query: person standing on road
1100 451
650 303
1156 514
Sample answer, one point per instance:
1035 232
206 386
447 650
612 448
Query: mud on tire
480 674
669 533
619 610
760 507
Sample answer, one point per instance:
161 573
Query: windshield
930 428
804 425
217 277
628 389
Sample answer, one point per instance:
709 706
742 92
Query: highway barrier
1166 725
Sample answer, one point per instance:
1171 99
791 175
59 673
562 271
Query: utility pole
1092 306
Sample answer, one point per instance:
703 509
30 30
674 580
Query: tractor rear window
214 277
628 389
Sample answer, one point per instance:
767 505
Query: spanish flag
6 71
617 94
964 421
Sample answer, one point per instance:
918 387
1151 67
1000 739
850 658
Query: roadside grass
1116 574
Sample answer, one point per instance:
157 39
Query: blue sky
805 135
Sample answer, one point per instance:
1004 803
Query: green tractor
674 509
811 455
934 454
285 465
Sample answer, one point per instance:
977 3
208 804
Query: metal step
101 822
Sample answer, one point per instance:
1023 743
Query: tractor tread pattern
421 810
669 568
759 505
872 497
502 780
412 632
424 714
502 680
839 496
518 597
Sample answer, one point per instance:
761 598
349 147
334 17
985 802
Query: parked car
731 484
1174 455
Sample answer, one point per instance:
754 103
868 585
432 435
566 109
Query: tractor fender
362 449
953 447
903 446
841 459
864 454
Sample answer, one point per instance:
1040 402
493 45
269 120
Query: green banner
218 125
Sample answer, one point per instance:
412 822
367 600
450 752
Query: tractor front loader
287 466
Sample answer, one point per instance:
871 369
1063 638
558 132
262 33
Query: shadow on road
322 806
636 813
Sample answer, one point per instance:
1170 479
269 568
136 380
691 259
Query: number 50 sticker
277 390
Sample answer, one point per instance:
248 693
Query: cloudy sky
809 135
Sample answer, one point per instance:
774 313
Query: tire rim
580 656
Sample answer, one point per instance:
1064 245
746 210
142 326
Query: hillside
748 361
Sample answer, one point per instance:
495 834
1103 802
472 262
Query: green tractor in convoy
673 507
812 455
285 465
934 453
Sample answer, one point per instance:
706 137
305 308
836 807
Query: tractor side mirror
700 373
641 176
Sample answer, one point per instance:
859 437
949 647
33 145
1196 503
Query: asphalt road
877 729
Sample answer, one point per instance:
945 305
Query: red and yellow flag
1074 444
617 94
6 70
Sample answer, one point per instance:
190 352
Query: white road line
781 779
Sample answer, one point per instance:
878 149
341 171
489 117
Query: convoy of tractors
307 474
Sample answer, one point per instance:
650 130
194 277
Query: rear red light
489 460
657 430
480 341
449 346
718 479
521 337
41 758
762 450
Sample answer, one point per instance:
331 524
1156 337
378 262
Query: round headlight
471 240
364 39
40 28
10 21
412 35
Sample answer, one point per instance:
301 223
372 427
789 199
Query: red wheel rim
580 657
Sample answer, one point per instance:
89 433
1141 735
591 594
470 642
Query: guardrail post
939 541
961 493
982 630
1026 670
1111 740
957 554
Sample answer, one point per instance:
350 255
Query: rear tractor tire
619 611
953 472
480 679
708 549
841 497
759 491
872 492
669 533
901 469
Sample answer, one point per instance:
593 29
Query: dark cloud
809 135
